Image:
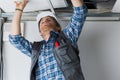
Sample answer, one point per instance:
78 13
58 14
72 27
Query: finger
24 0
17 2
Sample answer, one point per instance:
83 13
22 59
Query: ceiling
37 5
33 5
62 8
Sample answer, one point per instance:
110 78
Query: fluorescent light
33 5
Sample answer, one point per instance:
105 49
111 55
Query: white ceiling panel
116 7
33 5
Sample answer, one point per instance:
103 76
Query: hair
57 24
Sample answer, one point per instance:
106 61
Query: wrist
77 3
20 10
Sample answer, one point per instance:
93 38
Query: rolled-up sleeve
21 43
73 29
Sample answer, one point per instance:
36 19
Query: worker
56 56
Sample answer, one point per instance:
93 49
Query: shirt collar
53 35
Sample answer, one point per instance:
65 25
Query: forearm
15 27
21 43
74 28
77 3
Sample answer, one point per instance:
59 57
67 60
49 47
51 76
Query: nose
45 20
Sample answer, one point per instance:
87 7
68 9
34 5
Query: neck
46 37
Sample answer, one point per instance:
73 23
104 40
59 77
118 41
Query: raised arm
15 27
15 38
74 27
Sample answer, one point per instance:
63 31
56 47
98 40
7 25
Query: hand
20 5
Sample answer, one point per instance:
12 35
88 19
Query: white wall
100 50
99 45
16 64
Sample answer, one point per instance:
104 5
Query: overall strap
63 37
36 46
36 50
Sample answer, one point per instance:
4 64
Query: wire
1 46
96 1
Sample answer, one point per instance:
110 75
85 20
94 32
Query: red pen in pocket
57 44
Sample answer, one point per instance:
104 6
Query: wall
16 64
99 46
99 51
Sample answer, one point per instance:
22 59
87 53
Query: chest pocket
65 54
61 52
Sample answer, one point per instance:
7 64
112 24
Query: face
47 24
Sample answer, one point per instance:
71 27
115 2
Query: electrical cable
1 48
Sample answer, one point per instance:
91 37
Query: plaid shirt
47 68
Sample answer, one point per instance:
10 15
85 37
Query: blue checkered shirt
47 68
